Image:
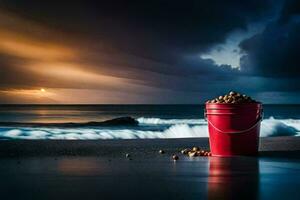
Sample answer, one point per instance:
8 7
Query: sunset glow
28 92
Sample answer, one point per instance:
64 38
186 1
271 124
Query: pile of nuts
195 151
232 98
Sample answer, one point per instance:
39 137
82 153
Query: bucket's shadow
233 178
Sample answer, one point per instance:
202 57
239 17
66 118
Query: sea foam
174 128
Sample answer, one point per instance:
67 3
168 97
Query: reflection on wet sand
233 178
80 167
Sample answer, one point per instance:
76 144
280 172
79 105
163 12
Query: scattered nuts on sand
175 157
233 98
196 151
161 151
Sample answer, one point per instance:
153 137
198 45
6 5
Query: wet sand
100 170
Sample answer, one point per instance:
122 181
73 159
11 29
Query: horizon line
130 104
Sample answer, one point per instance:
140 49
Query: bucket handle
242 131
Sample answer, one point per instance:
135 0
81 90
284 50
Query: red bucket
233 128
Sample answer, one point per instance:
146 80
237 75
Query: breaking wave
158 121
171 128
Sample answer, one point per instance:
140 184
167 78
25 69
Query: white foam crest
158 121
280 127
270 127
175 131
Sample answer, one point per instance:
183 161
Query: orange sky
70 69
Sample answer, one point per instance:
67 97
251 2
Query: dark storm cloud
290 9
273 57
275 51
156 29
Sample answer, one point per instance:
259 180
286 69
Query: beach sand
46 169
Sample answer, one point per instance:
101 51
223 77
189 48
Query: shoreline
113 147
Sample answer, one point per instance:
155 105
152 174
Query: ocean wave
280 127
181 129
175 131
158 121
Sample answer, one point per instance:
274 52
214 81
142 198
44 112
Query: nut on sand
161 151
175 157
192 153
185 151
196 149
198 153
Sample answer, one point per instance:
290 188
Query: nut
232 93
196 149
185 151
161 151
192 153
202 153
175 157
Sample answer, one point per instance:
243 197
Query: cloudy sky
148 51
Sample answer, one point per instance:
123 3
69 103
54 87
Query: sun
42 90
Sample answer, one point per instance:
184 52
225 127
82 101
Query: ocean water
155 121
